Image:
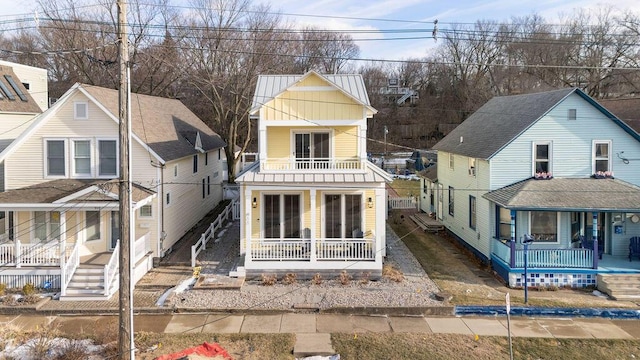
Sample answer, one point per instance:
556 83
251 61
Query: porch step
620 286
86 284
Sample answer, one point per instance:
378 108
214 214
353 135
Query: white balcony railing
313 164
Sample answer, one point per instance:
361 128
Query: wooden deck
427 223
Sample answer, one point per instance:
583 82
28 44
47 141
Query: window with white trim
543 226
80 110
107 158
282 214
451 161
92 225
572 114
146 211
542 157
451 201
472 212
81 158
56 163
472 166
601 155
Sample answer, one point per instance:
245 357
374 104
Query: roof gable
270 87
14 97
502 119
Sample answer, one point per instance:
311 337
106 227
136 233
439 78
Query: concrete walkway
579 328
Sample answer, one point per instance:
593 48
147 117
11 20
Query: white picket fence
403 203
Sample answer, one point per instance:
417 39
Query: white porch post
18 255
247 230
312 195
380 235
63 240
363 145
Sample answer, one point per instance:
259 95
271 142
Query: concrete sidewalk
581 328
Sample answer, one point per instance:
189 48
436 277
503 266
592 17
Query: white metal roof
372 175
269 86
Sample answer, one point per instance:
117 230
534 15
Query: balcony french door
311 150
343 215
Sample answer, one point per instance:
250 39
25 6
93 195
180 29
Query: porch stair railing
69 267
111 270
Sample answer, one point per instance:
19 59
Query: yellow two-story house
312 203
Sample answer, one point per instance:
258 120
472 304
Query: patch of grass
406 188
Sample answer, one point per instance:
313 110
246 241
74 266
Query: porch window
544 226
92 225
542 157
46 225
310 148
282 216
601 156
451 201
55 158
82 157
503 230
343 215
107 157
472 212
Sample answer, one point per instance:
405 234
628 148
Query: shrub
316 279
365 277
3 289
392 273
289 278
72 350
344 277
269 279
28 289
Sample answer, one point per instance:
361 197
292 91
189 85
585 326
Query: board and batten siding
187 205
312 106
571 144
344 141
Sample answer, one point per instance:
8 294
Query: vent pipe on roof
461 139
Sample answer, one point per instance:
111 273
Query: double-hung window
82 158
92 225
56 164
601 155
46 225
107 158
542 157
472 212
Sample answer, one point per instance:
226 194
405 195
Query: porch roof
70 191
373 174
568 194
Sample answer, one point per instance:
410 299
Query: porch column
363 145
312 232
512 243
594 231
63 239
248 209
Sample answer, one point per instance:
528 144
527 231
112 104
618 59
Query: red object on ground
206 349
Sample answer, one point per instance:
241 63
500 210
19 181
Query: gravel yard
416 290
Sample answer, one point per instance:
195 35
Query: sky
377 24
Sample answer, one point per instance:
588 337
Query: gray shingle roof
568 194
50 191
166 125
498 122
430 173
269 86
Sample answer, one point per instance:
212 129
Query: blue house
556 167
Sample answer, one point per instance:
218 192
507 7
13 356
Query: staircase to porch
620 286
87 282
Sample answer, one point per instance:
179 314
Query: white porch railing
300 249
142 246
18 254
403 203
201 244
312 164
70 265
111 269
501 250
555 258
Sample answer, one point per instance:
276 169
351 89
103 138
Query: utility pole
126 346
386 131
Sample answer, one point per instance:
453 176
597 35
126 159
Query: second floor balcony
293 164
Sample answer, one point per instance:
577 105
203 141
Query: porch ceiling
77 190
568 194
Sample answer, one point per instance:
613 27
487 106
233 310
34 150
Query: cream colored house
312 203
61 195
